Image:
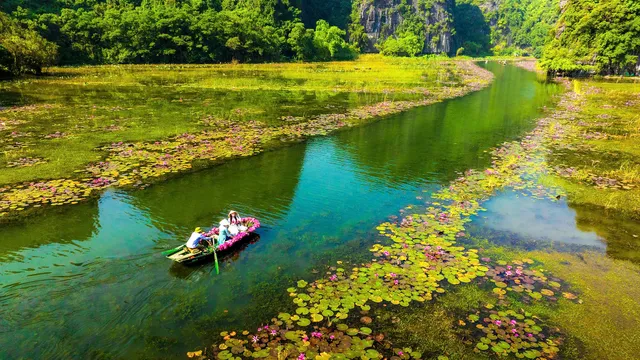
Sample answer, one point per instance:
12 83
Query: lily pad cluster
26 162
509 332
284 339
532 284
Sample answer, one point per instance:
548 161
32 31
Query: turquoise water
89 281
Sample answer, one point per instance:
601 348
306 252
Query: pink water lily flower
302 357
498 322
255 339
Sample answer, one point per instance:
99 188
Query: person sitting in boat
197 241
224 233
235 223
234 218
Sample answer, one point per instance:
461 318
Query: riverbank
34 155
425 295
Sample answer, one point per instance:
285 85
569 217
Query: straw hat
198 229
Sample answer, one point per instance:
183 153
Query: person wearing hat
235 223
224 233
196 240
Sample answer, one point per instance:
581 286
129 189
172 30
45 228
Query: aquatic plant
509 332
531 284
283 339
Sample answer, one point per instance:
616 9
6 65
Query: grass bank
83 129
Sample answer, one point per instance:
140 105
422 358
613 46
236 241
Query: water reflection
513 219
423 143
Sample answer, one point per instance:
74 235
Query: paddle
172 251
215 256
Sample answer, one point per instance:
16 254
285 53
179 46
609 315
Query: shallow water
89 280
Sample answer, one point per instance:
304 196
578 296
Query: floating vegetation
284 339
26 162
55 135
530 284
509 332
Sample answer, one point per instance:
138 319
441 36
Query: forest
575 37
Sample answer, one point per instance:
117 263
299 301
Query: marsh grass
604 148
94 106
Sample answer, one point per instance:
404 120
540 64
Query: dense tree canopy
600 36
178 31
507 27
587 35
23 50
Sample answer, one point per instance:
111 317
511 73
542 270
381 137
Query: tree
23 50
329 42
595 36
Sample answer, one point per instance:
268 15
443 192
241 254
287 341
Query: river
88 281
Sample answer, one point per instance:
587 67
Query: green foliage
330 44
23 50
181 31
600 36
472 31
407 44
509 27
335 12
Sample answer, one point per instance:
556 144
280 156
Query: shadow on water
115 295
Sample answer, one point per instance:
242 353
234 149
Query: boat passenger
234 218
197 240
235 223
224 233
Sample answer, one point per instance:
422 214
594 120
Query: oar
215 256
172 251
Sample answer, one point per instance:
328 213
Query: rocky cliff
383 18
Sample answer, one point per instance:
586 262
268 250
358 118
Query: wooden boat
182 255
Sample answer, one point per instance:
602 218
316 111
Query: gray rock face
381 19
